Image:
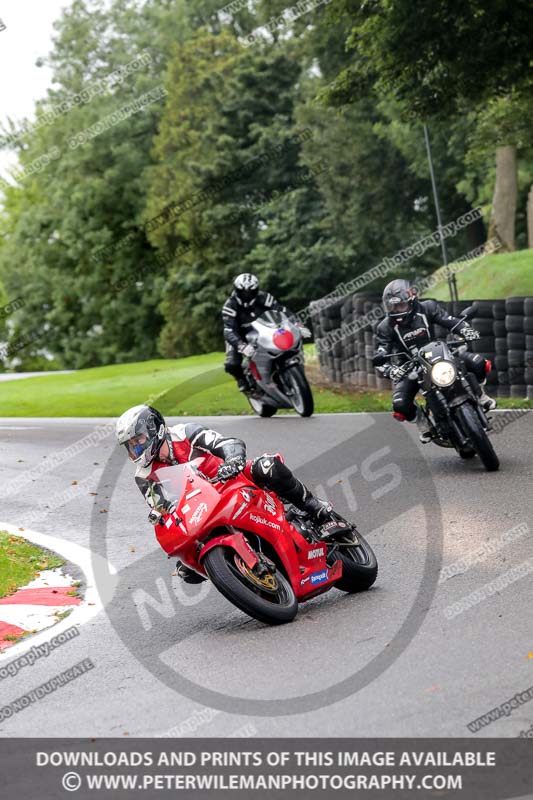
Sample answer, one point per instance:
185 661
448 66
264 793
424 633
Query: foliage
105 282
434 54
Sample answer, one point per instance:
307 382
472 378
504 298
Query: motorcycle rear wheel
359 565
274 602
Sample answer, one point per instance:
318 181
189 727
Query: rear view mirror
469 312
379 359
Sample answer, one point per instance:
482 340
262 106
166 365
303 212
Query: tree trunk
505 198
530 218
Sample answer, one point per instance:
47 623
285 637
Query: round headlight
443 373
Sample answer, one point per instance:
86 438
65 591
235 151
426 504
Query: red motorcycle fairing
203 509
236 540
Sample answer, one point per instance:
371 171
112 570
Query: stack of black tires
486 344
324 321
349 345
515 363
364 339
501 361
350 359
528 338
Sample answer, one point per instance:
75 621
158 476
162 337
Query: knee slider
232 368
270 468
403 409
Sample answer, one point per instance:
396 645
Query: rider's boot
187 574
324 517
320 511
488 403
424 428
243 385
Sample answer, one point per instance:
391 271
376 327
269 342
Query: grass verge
21 562
183 387
194 386
492 277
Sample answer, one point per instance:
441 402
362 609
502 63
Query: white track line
20 428
92 603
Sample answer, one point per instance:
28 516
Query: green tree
433 54
90 196
237 134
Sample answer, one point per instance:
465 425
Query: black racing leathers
418 331
238 321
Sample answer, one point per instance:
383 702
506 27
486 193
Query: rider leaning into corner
246 304
152 445
409 324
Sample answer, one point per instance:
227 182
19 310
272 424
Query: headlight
443 373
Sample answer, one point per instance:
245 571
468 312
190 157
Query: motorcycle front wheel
301 394
472 427
268 598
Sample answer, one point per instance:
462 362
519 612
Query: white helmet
246 287
141 430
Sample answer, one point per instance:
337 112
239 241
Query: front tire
269 599
302 396
471 426
359 565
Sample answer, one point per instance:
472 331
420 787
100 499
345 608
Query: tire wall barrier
344 333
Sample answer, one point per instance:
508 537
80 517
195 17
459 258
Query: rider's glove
306 333
231 468
469 334
246 349
397 373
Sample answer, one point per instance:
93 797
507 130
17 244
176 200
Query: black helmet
141 430
246 287
398 301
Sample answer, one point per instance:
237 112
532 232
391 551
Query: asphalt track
386 663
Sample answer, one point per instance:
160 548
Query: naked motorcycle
276 369
451 393
265 558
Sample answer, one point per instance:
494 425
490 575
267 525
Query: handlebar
380 358
465 315
207 478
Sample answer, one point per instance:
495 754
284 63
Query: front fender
235 540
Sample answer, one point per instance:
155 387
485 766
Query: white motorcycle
276 368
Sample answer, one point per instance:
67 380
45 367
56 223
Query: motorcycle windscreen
435 351
172 482
194 498
273 319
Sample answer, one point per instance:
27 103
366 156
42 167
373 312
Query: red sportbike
263 557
